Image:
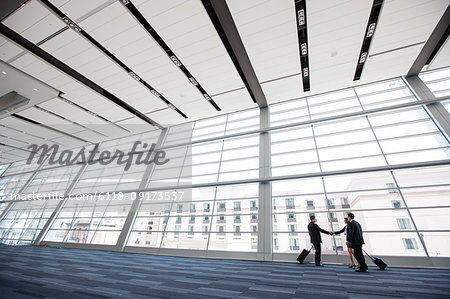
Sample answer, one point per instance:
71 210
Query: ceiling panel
135 125
406 22
335 34
283 89
18 134
72 89
11 141
26 17
442 58
68 142
390 64
83 57
50 120
8 50
235 101
79 8
29 128
188 31
121 32
269 33
166 117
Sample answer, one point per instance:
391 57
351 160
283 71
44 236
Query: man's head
351 216
313 218
345 220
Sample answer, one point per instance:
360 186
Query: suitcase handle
367 254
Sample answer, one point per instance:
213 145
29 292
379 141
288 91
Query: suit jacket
354 234
314 232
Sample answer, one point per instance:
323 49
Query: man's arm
322 230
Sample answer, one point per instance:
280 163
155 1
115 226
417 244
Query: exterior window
220 229
410 243
222 218
205 228
293 244
404 223
339 246
180 208
254 216
392 188
237 205
310 204
222 205
344 202
206 207
254 228
237 228
292 228
290 204
333 217
397 204
192 207
191 228
330 203
253 204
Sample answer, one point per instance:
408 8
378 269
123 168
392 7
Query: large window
193 223
323 155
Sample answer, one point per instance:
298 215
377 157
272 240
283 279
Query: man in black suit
355 240
314 233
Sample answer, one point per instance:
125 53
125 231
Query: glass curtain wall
207 195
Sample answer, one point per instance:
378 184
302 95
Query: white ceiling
267 29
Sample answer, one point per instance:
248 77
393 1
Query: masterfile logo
146 155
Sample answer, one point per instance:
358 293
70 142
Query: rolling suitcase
382 265
303 255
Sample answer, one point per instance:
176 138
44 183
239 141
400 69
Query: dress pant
360 256
318 253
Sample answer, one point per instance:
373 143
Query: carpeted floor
40 272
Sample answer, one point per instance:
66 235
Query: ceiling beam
7 8
220 15
434 42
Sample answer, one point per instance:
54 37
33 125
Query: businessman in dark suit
355 240
314 233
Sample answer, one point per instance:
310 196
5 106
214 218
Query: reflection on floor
27 272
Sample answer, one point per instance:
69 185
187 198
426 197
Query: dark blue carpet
39 272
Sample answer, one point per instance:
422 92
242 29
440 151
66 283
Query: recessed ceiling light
35 89
3 72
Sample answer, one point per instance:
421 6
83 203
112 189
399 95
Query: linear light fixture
143 21
300 8
370 31
99 46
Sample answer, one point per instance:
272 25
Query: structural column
124 234
438 112
66 195
265 192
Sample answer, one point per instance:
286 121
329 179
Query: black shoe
352 266
320 265
361 270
